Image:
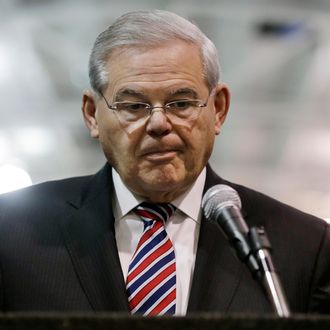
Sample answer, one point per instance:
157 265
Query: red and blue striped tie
151 278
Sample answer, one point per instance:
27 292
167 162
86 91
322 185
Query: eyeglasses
178 110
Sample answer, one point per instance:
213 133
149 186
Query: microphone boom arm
260 247
221 205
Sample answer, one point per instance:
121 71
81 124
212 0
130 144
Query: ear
89 112
221 103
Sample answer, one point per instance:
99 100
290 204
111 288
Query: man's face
157 158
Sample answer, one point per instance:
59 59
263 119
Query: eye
179 105
131 106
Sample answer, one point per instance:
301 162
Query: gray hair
149 29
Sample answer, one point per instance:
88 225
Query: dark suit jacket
58 252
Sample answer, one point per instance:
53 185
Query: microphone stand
260 247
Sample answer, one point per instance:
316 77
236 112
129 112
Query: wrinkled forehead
128 58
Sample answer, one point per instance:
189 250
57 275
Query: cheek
110 149
203 140
119 147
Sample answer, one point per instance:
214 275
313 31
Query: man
156 106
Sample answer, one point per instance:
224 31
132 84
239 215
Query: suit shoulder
50 187
40 196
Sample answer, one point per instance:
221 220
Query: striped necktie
151 278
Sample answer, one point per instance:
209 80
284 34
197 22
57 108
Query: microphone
221 205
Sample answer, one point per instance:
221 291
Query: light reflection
12 178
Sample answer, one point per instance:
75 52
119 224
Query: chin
165 182
165 175
162 183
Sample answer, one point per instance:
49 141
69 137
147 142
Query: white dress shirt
182 229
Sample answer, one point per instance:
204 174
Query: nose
158 124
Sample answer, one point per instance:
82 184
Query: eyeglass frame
151 108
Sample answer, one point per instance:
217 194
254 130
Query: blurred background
275 57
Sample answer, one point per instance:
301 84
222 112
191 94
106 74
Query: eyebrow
186 92
123 93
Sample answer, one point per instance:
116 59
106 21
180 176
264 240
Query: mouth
160 156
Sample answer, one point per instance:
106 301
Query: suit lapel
90 239
217 270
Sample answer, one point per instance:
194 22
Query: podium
111 321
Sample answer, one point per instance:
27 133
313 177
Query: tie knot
149 211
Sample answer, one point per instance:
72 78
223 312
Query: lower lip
161 156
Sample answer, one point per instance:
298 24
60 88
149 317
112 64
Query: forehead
165 67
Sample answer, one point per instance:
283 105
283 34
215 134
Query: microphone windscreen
218 197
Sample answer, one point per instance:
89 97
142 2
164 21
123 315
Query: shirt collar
124 200
189 202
